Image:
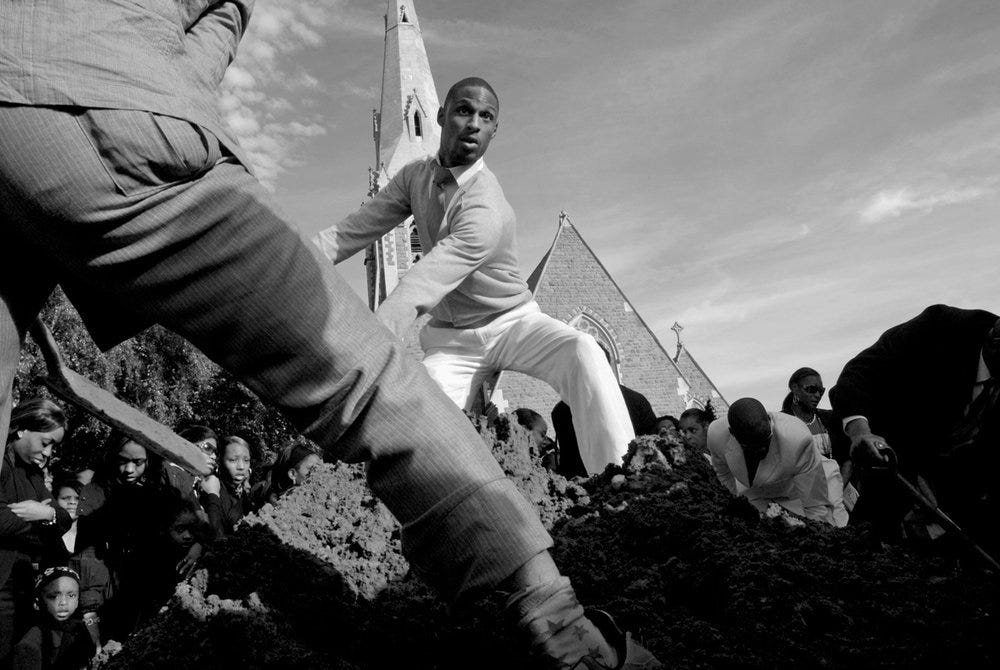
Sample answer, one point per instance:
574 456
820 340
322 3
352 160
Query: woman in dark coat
124 506
28 518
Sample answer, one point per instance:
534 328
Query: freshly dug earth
318 582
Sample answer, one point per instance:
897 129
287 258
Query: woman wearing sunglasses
805 390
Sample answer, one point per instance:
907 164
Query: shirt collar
463 173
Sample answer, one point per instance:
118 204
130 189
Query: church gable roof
570 250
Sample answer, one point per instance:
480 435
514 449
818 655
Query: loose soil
317 581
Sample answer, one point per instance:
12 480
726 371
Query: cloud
892 203
263 93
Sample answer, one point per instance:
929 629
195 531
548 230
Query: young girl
59 641
133 495
180 526
226 497
291 468
28 520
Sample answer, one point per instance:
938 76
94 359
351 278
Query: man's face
468 124
991 350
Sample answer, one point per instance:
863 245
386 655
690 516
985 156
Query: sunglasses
814 388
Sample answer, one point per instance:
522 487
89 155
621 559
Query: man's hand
211 485
865 445
190 561
32 510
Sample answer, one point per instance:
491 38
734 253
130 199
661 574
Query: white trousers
528 341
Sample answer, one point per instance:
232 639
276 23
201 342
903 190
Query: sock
553 621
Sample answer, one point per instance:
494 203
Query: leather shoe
631 655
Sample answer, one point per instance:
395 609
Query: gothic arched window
586 324
417 125
415 249
402 15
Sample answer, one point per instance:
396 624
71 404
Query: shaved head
470 81
748 421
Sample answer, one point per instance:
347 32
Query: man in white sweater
484 318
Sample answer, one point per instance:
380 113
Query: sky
784 179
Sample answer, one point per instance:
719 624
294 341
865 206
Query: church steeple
405 129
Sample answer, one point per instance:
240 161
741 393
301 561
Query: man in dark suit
640 412
928 389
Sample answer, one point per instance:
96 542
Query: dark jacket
913 386
55 646
87 559
570 464
129 523
226 509
22 540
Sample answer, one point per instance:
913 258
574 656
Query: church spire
408 117
405 129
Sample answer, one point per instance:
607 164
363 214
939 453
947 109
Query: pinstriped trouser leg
161 231
23 291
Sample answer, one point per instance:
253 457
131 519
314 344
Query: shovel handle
946 520
50 352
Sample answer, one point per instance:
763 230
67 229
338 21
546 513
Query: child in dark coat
60 640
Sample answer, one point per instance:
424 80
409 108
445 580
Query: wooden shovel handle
50 352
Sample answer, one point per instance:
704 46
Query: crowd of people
829 464
88 556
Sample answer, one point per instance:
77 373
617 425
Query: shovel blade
105 407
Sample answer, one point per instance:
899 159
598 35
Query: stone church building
570 283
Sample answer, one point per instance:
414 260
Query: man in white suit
769 457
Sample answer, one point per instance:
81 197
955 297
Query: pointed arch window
402 15
418 128
592 327
415 249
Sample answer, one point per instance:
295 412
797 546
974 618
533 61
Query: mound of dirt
317 582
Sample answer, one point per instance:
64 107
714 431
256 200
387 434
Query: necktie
976 415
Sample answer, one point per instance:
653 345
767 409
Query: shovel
946 521
106 408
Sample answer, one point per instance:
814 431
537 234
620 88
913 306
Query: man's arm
475 231
212 36
718 438
867 381
378 216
